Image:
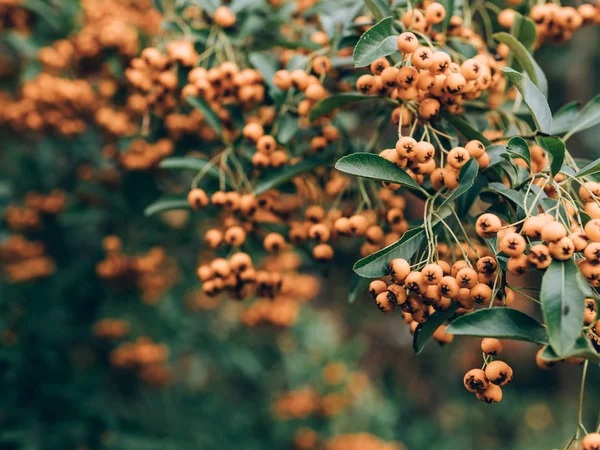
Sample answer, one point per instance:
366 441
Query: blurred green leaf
464 127
167 203
333 102
209 115
424 331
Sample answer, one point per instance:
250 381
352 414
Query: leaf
189 163
525 59
590 169
556 149
518 198
424 331
376 265
378 41
333 102
500 323
287 126
524 30
358 285
518 148
495 152
374 167
209 5
583 349
281 176
209 115
467 178
588 117
563 292
158 5
378 8
465 128
449 5
564 119
533 98
166 204
267 66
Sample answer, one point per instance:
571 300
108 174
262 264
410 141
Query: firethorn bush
185 174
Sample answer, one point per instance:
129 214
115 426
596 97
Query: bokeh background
335 368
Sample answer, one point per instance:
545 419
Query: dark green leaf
376 265
287 126
533 98
374 167
189 163
465 128
583 349
166 204
524 30
281 176
467 178
564 119
358 286
556 149
209 115
500 323
159 6
518 148
378 41
379 8
590 169
588 117
333 102
525 59
424 331
267 66
518 198
495 153
563 292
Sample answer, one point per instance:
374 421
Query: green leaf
358 286
518 198
465 128
467 178
379 9
280 176
209 115
590 169
518 148
158 5
524 30
500 323
333 102
376 265
378 41
564 119
525 59
267 66
374 167
189 163
556 149
533 98
563 292
287 126
583 349
166 204
209 5
424 331
588 117
449 5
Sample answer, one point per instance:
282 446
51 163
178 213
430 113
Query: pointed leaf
583 349
556 149
167 204
590 169
333 102
500 323
378 41
465 128
564 119
525 59
424 331
189 163
533 98
376 265
209 115
518 148
374 167
467 178
563 292
588 117
379 9
280 176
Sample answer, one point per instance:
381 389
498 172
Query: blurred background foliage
338 369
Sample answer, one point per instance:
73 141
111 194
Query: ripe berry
553 232
491 346
432 274
562 249
475 381
407 42
197 198
488 225
376 287
384 303
224 17
513 244
492 394
323 252
499 373
458 157
399 270
466 278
